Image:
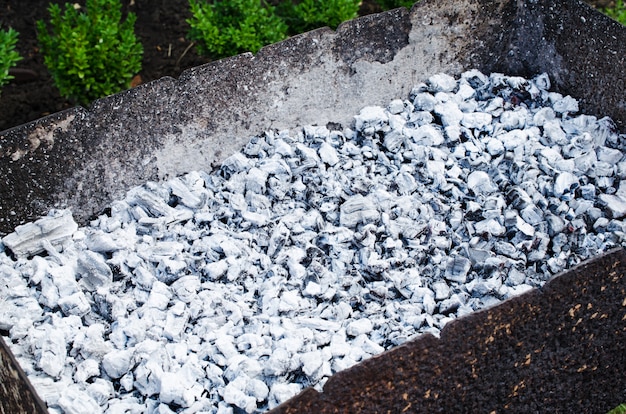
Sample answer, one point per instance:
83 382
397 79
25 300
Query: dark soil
161 27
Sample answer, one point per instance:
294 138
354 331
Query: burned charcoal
27 239
311 250
457 268
93 270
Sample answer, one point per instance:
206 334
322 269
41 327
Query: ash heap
311 250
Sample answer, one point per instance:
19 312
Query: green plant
620 409
8 55
226 28
618 12
307 15
394 4
91 54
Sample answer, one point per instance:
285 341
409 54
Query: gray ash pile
312 249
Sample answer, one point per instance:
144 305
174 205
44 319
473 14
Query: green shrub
394 4
618 12
620 409
307 15
8 56
229 27
91 54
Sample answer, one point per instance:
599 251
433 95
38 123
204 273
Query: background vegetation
226 28
90 54
8 55
311 14
620 409
618 12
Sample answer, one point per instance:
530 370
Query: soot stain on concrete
375 38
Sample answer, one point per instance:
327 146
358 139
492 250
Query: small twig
184 53
169 50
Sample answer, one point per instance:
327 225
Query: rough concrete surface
84 158
558 349
17 395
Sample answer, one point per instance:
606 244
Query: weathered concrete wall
82 159
17 396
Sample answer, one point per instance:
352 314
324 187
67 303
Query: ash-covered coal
311 250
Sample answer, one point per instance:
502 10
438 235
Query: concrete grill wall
84 158
17 395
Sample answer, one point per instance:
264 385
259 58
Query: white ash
312 250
